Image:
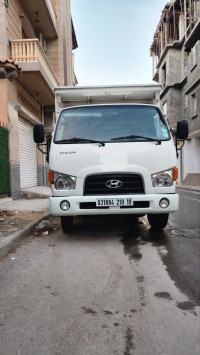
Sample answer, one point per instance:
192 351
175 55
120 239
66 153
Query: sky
114 38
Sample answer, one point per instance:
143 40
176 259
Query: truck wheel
66 223
158 221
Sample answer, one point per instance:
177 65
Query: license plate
114 202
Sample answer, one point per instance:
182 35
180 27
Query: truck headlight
64 182
163 179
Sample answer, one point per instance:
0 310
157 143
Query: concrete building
36 42
175 55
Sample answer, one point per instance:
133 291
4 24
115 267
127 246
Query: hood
90 158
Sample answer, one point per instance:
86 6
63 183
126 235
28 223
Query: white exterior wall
191 157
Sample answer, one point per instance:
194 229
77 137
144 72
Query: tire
158 221
66 223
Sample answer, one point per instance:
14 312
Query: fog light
164 203
64 205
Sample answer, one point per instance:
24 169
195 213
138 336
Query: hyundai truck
112 157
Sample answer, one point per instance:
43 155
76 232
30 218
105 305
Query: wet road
188 215
111 287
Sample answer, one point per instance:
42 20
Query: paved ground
111 287
189 210
37 205
18 217
15 221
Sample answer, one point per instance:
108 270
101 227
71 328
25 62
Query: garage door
27 154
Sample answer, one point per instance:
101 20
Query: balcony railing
30 50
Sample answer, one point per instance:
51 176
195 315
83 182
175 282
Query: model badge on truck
113 184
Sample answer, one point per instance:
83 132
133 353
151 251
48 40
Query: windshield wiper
134 136
80 140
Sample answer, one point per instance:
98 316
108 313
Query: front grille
92 205
96 184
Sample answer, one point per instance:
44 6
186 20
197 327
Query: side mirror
38 133
181 134
182 129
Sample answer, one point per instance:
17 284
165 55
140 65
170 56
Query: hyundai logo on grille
113 184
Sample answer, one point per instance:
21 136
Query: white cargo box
66 96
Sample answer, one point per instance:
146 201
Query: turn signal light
50 177
175 175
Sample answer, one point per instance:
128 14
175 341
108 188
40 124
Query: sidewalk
19 217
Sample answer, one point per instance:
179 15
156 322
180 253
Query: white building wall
191 157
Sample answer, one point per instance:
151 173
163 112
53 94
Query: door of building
27 154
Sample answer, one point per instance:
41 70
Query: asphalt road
188 215
113 286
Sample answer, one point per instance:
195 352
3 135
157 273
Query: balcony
193 37
37 74
42 16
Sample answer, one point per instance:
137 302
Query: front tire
158 221
67 223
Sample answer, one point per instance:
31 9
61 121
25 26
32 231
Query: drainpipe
181 166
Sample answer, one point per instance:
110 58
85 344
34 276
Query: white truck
112 153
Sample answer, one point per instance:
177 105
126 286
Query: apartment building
36 42
175 52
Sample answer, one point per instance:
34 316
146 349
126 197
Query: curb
32 195
13 240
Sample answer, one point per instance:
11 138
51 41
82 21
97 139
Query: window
193 57
165 109
186 101
194 104
111 123
42 41
185 62
164 76
23 34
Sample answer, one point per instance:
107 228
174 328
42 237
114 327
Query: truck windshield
115 123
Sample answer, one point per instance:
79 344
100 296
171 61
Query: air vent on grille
98 184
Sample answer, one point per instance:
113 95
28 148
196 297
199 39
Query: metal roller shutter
27 154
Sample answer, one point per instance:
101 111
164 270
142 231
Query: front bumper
86 205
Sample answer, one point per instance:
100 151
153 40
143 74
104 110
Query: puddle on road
138 235
131 247
165 295
131 240
186 306
168 243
